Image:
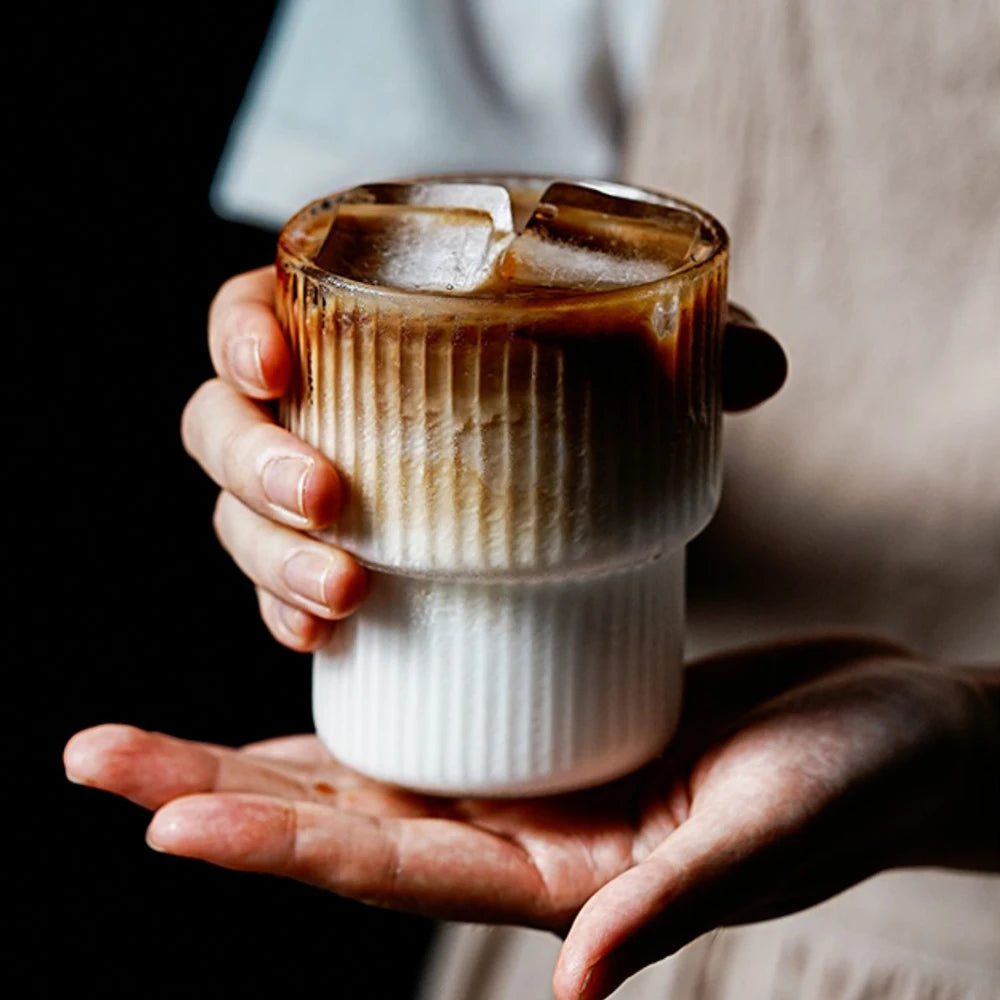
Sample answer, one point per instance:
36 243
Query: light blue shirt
345 92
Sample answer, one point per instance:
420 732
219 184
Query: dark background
125 607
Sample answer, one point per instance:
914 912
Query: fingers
244 338
274 473
302 751
754 366
291 626
427 865
269 475
797 804
711 873
599 954
646 914
151 769
298 571
264 469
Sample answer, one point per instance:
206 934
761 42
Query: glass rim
293 233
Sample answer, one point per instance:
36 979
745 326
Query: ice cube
436 236
493 199
600 236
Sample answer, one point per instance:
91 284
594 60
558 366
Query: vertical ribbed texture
526 472
545 445
505 689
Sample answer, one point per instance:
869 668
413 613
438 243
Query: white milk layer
505 688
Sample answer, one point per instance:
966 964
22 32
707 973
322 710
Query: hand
797 771
275 487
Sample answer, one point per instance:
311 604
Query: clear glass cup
523 471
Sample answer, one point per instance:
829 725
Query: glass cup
524 465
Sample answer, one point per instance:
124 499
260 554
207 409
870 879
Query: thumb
645 914
754 366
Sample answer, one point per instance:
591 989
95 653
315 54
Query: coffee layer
521 437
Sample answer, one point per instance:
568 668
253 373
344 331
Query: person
841 726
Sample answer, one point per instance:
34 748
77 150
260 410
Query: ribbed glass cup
522 473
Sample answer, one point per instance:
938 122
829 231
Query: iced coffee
518 381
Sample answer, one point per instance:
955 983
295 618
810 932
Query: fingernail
308 574
284 481
244 359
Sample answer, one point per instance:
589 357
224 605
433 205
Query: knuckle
267 606
195 417
188 422
191 418
220 519
231 455
232 309
241 449
227 292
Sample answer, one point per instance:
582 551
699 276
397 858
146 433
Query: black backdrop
124 608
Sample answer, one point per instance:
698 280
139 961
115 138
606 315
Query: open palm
797 771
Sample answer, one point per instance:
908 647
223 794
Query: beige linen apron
853 149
